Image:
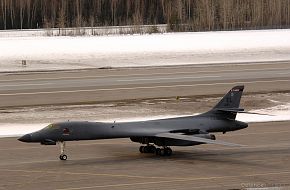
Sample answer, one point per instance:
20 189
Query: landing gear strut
62 155
165 151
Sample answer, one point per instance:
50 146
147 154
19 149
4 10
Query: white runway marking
168 78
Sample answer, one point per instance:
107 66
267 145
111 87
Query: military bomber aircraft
180 131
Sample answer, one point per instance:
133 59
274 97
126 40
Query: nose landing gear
62 155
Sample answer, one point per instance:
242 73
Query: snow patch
276 113
57 53
18 129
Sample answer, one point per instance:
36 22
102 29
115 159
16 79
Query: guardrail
86 31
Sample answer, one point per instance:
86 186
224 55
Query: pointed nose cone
25 138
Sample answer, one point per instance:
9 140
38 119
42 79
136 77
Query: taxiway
117 164
99 85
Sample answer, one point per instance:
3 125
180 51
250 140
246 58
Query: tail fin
231 99
229 105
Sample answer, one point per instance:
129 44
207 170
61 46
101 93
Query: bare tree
61 20
4 13
21 12
194 15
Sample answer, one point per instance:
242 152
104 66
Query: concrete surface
117 164
89 86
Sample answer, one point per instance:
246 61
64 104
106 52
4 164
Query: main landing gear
164 151
62 155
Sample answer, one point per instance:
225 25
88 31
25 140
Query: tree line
180 15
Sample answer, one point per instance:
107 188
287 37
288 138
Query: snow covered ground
277 113
57 53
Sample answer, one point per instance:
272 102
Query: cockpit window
51 126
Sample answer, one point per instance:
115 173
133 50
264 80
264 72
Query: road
117 164
98 85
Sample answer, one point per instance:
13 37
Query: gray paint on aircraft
181 131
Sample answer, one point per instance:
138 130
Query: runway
117 164
98 85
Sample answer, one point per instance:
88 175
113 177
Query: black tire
146 149
162 152
152 149
157 152
141 149
64 157
168 151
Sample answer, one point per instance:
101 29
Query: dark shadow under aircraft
181 131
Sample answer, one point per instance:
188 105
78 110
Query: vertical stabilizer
228 106
231 99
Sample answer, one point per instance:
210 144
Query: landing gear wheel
141 149
157 152
168 151
63 157
152 149
146 149
162 152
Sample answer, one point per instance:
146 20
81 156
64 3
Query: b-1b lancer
156 135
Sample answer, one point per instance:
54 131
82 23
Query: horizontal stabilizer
255 113
233 110
195 139
240 110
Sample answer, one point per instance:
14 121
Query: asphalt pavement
99 85
117 164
